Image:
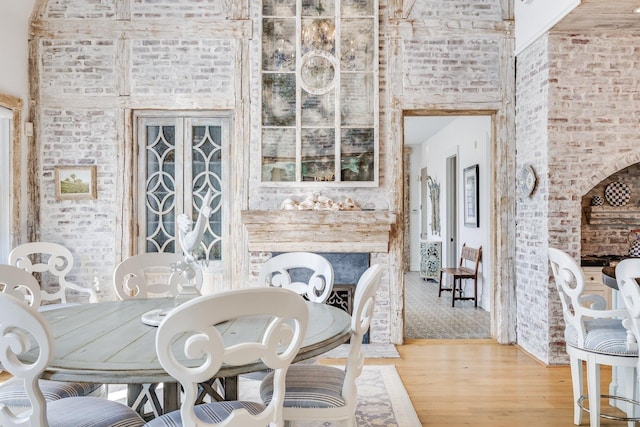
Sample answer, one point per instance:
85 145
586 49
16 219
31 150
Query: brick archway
609 169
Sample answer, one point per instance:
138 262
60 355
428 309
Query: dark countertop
609 277
600 260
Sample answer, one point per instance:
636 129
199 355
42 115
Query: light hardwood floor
482 383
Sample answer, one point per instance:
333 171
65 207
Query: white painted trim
6 124
6 113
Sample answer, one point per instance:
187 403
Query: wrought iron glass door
179 159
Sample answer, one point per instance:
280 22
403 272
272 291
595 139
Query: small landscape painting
75 182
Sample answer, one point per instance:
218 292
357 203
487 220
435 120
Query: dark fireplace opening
347 269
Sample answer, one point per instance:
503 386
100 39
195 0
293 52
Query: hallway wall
468 138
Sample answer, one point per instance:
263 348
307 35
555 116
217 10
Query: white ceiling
418 129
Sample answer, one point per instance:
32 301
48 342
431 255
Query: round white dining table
107 342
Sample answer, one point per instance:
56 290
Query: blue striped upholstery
91 411
308 386
606 336
208 412
12 392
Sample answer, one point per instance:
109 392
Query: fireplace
347 269
352 240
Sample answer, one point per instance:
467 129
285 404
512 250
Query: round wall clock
528 180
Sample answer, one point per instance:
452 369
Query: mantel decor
75 182
471 183
317 202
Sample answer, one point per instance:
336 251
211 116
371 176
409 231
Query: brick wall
78 67
454 65
80 107
88 84
532 93
182 67
590 133
611 238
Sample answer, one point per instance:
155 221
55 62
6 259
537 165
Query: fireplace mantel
318 231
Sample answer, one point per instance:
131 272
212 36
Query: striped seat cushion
606 336
12 392
214 412
308 386
91 411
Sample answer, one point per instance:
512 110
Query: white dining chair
22 285
593 334
202 352
627 276
152 274
327 393
20 325
283 269
52 262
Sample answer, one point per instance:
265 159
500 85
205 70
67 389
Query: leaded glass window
179 159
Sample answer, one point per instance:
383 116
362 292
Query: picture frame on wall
471 196
75 182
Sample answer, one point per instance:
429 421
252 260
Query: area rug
382 399
370 351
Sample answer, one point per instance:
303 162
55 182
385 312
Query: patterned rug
382 399
428 316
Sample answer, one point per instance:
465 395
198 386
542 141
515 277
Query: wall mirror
319 92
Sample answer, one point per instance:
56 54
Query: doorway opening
440 145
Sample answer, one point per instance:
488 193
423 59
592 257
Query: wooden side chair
23 329
467 269
200 352
52 260
278 270
323 393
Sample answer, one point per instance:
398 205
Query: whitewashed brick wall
80 137
532 296
456 62
588 136
182 67
457 10
81 9
78 67
453 65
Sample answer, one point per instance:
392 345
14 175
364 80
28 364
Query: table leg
133 391
231 388
137 397
171 397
